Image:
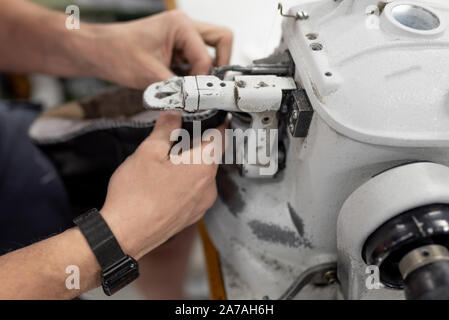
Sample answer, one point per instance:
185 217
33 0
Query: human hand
150 199
138 53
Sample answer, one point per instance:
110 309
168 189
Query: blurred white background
256 23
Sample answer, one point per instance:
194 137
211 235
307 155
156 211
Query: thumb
158 72
167 122
162 73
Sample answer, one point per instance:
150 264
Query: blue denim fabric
33 202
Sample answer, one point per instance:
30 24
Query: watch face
119 275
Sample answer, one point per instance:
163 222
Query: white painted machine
359 205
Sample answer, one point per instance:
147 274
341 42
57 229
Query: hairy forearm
39 271
35 39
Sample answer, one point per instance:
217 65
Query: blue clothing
33 201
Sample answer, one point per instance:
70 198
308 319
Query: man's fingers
158 72
209 149
221 129
213 145
194 50
166 124
162 73
223 49
218 37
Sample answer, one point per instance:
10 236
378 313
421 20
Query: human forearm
149 200
35 39
39 271
133 54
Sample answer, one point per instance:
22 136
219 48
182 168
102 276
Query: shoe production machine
358 204
351 117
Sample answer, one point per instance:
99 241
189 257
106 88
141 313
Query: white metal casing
378 200
379 89
384 104
252 94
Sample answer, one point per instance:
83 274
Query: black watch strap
118 269
100 238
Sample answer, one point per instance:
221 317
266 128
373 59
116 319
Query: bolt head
291 127
241 84
330 276
295 114
302 15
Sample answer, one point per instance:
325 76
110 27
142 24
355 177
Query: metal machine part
299 15
412 19
426 273
300 114
324 274
278 64
251 94
344 54
367 150
415 17
422 256
388 245
379 223
261 96
365 69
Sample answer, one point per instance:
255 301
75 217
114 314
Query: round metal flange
422 256
389 243
413 19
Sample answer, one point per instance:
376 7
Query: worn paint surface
229 192
297 221
276 234
299 225
282 235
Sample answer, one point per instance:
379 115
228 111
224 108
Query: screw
316 46
295 114
241 84
284 109
302 15
291 127
312 36
330 276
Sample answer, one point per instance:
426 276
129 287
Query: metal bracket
300 115
260 96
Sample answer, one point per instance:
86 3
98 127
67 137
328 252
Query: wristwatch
117 268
